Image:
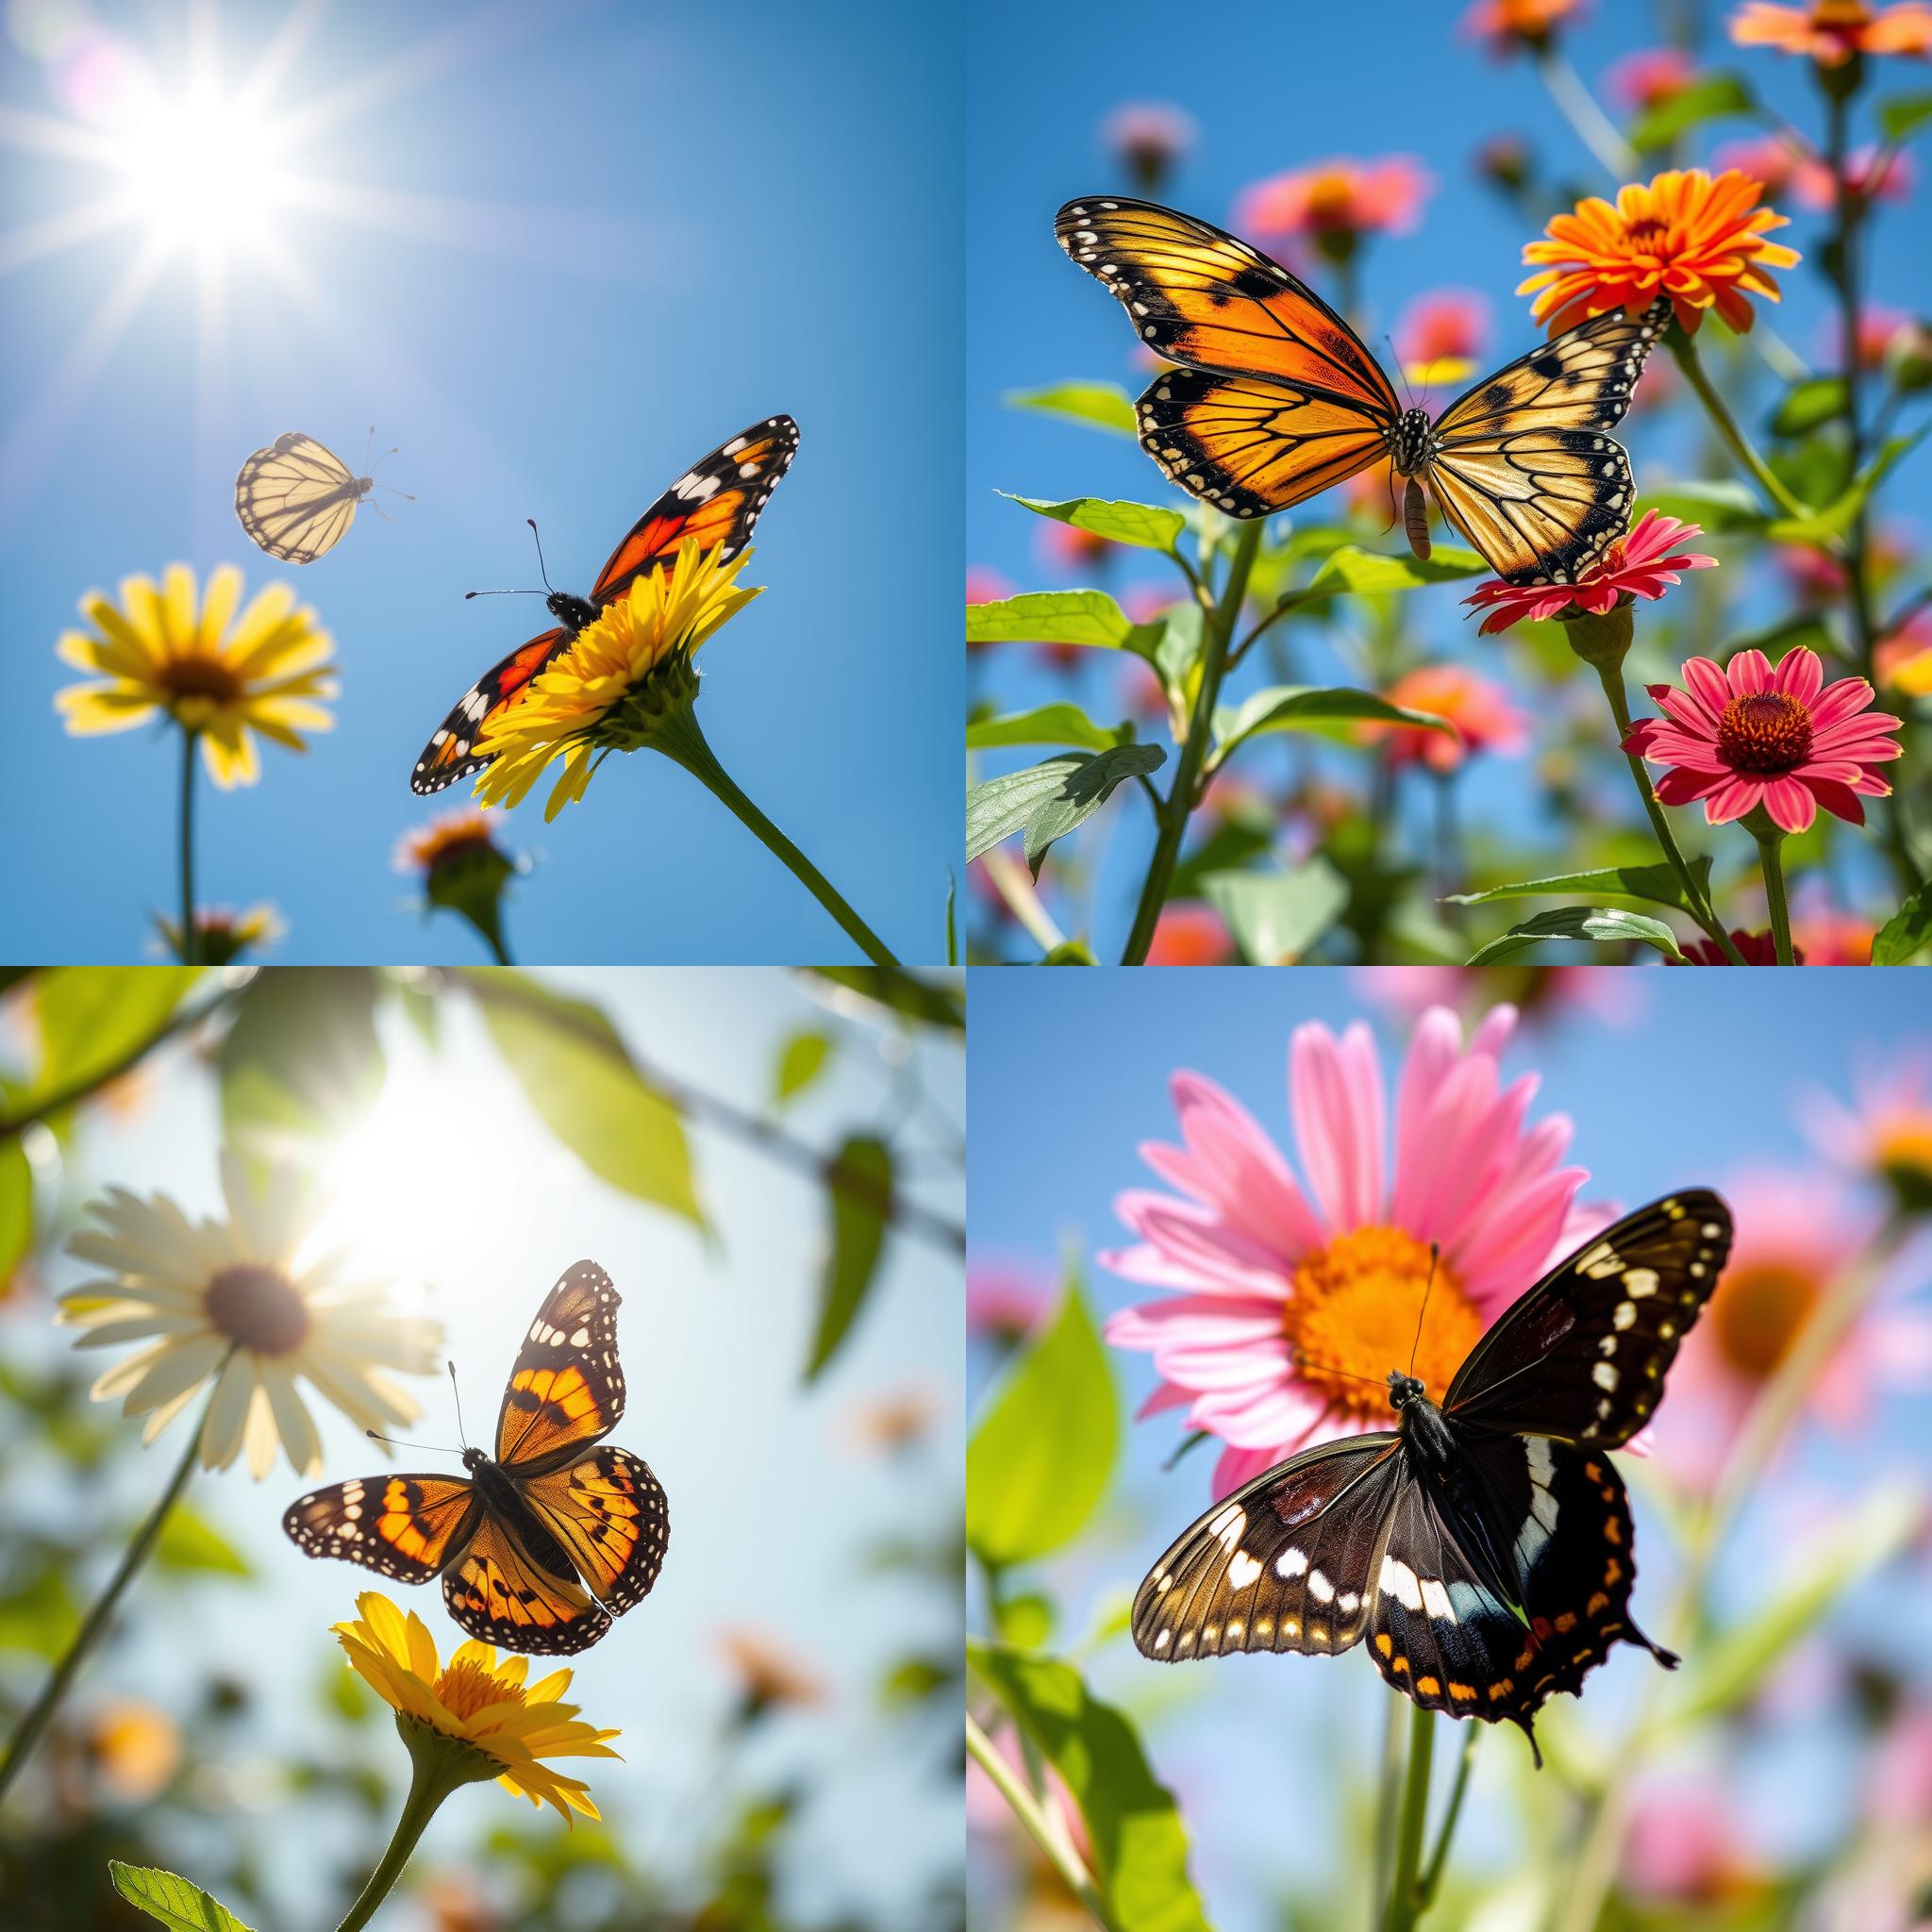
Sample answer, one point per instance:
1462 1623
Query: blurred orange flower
451 835
1481 712
134 1749
1832 31
1509 23
1682 235
768 1676
1063 546
1190 933
1336 201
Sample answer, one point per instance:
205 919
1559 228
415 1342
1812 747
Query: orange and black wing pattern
500 1591
715 504
405 1526
566 1390
608 1513
1284 399
450 753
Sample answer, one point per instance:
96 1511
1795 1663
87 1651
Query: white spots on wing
1290 1563
1319 1587
1435 1601
1163 1583
693 487
580 1338
1242 1570
1161 1643
1399 1581
1543 1464
1601 1260
1348 1603
1625 1314
1604 1375
1226 1527
1640 1282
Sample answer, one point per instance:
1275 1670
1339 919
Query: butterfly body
1482 1545
539 1546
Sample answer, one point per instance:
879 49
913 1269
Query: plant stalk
1771 861
1405 1902
190 939
1079 1880
436 1771
1684 347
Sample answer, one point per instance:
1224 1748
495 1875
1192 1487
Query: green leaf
189 1541
1071 952
1902 115
92 1018
302 1062
801 1060
575 1071
1836 518
1352 568
1302 707
1025 1619
1722 505
951 918
1276 916
1065 789
179 1905
1058 617
910 996
1043 1449
1229 847
16 1208
1133 1823
1809 404
1099 405
1907 932
1146 526
1601 924
861 1209
1055 724
1656 884
1709 99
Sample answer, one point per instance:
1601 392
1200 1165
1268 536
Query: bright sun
201 173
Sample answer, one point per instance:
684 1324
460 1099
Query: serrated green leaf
1352 568
1058 617
1066 790
1145 525
1099 405
1139 1853
1711 98
801 1060
1600 924
1056 723
1656 884
861 1210
178 1904
1042 1451
1810 403
1902 115
1276 916
1301 707
1907 932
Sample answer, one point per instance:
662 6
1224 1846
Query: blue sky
1697 1078
1272 88
774 1500
580 246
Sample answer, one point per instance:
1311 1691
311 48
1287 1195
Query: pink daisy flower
1341 198
1650 77
1440 335
1886 1132
1642 564
1286 1305
1147 138
1744 734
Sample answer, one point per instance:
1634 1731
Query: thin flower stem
1388 1792
1699 905
27 1732
190 939
1684 347
432 1780
1771 861
1015 884
1589 122
1405 1905
1079 1881
685 744
1216 637
1438 1858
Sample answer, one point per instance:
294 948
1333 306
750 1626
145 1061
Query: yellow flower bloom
223 677
479 1702
448 836
223 935
596 696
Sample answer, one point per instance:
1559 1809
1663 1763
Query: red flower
1440 335
1832 31
1639 565
1743 735
1067 548
1190 933
1510 24
1758 949
1651 76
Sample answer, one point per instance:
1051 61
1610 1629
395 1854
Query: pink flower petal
1337 1106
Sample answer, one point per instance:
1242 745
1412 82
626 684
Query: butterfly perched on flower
715 504
1277 398
297 498
540 1546
1483 1547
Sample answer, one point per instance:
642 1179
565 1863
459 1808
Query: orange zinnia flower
1832 31
1506 23
1699 242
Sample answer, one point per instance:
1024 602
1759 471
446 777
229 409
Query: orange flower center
1352 1318
467 1687
1768 731
1331 201
1905 1148
1837 15
1758 1315
200 678
256 1308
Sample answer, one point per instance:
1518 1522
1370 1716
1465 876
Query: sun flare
201 173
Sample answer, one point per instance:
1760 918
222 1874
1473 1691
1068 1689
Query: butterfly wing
449 754
608 1513
406 1527
567 1388
1583 1354
1522 464
501 1592
295 498
715 504
1282 1564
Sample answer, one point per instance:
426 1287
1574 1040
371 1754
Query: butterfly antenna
1434 1252
1401 374
368 448
462 1434
429 1448
542 571
1329 1369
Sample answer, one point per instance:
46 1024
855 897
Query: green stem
1684 347
1589 122
190 939
1388 1791
441 1767
680 740
27 1732
1217 636
1773 864
1438 1858
1700 907
1079 1881
1404 1903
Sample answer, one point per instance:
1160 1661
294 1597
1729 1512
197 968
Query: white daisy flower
245 1302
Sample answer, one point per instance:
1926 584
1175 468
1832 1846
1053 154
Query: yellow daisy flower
220 677
477 1702
247 1302
222 935
621 683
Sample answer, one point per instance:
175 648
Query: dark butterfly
715 504
511 1541
1483 1547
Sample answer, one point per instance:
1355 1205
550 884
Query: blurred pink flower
1818 578
1642 564
1683 1842
1899 1774
1877 328
1335 201
1147 138
1066 548
1747 734
1650 77
1885 1134
1764 157
1825 935
1140 692
1279 1296
984 586
1007 1298
1190 933
1484 718
1541 995
1814 187
1440 335
1507 25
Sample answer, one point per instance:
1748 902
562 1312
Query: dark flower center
200 678
1769 731
1757 1316
257 1308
